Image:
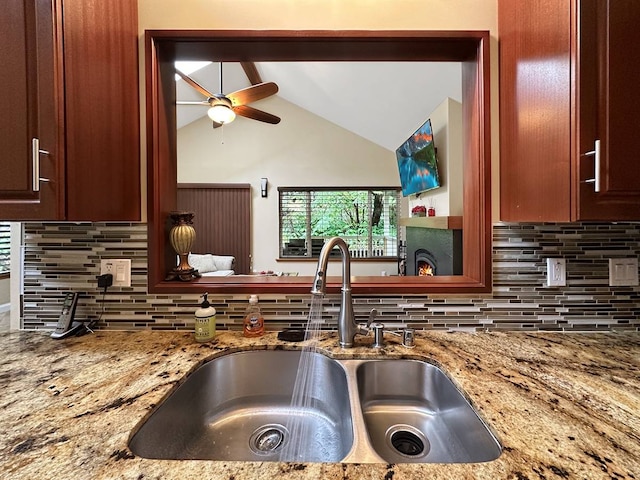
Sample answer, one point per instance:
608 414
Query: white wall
16 275
319 14
5 284
446 121
293 153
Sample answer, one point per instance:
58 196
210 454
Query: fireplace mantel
443 223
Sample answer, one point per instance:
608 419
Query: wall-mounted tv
417 163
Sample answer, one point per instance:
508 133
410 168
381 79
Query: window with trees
366 218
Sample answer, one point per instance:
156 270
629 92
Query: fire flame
425 270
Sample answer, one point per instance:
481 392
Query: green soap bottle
205 324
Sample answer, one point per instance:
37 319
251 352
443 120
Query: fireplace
433 251
425 263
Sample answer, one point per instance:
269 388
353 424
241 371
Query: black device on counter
66 326
292 335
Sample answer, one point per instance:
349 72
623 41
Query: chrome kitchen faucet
347 326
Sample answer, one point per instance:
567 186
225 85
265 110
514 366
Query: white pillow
224 262
202 262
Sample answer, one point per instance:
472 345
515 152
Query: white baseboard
5 307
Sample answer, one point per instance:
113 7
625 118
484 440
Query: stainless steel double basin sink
239 407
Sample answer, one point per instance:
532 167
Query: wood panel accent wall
222 219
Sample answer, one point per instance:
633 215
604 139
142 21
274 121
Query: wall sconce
263 187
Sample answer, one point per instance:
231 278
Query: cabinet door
535 110
29 79
609 109
102 118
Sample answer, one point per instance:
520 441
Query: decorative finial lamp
182 236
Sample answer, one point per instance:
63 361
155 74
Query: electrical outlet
556 272
623 272
120 268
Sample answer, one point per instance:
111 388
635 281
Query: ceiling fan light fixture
221 114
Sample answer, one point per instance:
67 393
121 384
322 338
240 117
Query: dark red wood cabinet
31 85
568 90
69 80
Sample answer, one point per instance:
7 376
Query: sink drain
407 441
267 439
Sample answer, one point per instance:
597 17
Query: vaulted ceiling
384 102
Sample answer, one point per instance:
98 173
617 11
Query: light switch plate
623 272
120 268
556 272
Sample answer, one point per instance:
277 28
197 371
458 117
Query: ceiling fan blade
252 93
255 114
252 72
194 84
184 102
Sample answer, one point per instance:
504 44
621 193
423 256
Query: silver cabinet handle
596 154
35 160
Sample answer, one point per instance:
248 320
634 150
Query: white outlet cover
120 268
623 272
556 272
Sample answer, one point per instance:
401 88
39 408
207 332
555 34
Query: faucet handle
364 329
372 315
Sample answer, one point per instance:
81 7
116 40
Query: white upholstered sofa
209 265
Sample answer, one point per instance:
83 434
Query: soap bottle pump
253 320
205 323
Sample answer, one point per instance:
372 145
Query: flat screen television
417 163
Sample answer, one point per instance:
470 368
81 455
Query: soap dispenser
205 323
253 319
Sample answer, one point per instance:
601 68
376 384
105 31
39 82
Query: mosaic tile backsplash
61 257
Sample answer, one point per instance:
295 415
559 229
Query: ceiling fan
224 108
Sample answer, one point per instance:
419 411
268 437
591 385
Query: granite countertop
562 405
